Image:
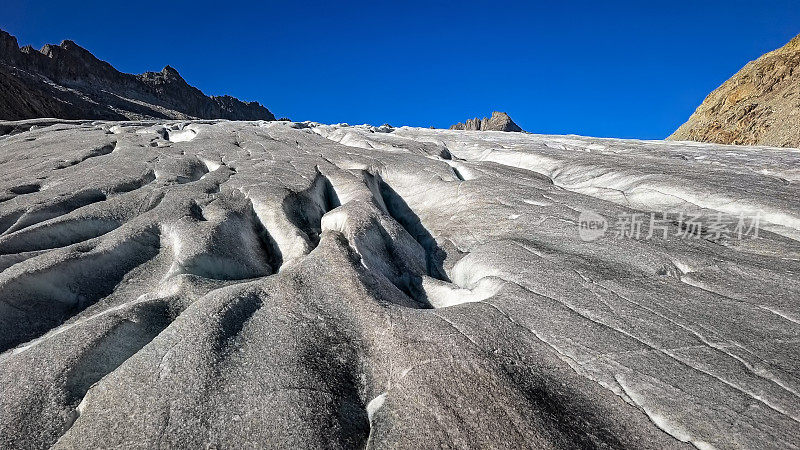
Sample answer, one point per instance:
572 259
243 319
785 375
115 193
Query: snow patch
375 404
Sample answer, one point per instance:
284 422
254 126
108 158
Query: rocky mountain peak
759 105
68 44
89 88
69 60
168 75
9 48
7 41
169 70
499 121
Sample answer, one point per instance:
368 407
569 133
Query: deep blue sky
601 68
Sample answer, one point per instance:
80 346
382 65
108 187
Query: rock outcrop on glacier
66 81
759 105
499 121
276 284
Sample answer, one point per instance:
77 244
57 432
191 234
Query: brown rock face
498 122
760 105
66 81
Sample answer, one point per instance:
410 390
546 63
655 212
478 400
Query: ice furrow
572 363
95 152
57 208
458 330
741 389
45 296
55 235
115 347
24 189
82 224
68 202
233 319
397 207
712 345
222 240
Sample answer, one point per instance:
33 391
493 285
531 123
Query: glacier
283 284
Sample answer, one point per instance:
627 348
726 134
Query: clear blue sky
601 68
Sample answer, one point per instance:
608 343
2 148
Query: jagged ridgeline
66 81
499 121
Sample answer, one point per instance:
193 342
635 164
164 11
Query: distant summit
759 105
498 122
66 81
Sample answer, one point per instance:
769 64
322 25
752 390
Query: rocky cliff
759 105
67 81
499 121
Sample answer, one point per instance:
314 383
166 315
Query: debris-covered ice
277 284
